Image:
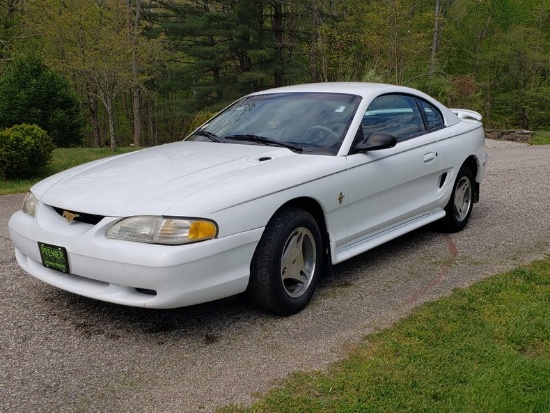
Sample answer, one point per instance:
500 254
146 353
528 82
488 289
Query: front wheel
286 266
459 207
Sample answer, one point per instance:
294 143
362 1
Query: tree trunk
109 110
278 36
91 91
481 38
436 38
136 97
95 120
318 50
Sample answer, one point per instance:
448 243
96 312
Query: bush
25 150
32 93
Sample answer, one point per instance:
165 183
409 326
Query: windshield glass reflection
308 122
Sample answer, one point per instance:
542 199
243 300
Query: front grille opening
80 216
146 291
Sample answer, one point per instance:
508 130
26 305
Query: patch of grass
16 186
63 158
541 137
482 349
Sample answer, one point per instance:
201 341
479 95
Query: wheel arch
311 206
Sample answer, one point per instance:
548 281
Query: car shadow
90 318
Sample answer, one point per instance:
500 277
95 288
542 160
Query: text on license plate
54 257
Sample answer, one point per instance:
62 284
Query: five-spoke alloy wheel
459 207
286 266
298 262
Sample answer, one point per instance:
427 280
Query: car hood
152 181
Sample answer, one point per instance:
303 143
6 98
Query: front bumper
130 273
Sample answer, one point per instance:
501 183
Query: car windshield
303 122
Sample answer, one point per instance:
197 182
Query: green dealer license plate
54 257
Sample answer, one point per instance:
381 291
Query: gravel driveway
62 352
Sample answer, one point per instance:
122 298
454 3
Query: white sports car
261 199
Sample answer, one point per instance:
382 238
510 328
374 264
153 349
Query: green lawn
482 349
541 138
63 158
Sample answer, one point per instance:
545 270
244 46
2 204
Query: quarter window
397 115
434 119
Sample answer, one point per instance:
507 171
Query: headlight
160 230
29 204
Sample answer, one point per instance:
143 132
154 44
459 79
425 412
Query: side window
433 116
397 115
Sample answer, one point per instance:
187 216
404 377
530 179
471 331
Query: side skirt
384 236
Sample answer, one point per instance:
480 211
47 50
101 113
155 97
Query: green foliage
521 85
504 47
487 55
25 150
32 93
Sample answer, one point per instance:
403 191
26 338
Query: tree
32 93
223 49
198 34
135 27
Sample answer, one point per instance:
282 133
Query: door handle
429 157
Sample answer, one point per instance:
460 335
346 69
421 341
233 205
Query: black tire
459 207
286 266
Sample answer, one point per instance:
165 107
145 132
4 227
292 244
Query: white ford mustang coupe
261 199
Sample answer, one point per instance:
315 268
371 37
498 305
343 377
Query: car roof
356 88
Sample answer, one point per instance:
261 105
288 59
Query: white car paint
365 198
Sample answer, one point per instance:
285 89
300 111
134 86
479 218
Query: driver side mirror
374 142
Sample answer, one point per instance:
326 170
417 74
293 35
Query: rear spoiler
467 114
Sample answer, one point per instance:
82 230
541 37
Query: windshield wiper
264 140
212 136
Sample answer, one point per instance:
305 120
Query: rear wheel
459 207
286 266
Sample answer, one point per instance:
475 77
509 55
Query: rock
513 135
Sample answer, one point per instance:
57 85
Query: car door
390 187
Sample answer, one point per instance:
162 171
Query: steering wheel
331 138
